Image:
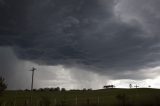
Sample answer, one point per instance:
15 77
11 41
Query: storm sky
80 43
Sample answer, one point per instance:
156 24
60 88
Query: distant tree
57 89
51 89
84 89
108 86
40 89
130 85
46 89
34 89
3 86
90 89
27 90
63 89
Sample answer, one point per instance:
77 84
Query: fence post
76 100
88 102
26 102
98 100
14 103
37 104
55 102
4 104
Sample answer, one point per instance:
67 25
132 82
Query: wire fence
45 101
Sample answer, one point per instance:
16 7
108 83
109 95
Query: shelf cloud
101 36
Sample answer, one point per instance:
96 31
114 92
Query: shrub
3 86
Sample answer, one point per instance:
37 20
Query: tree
63 89
108 86
3 86
130 85
57 89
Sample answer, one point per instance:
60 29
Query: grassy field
108 97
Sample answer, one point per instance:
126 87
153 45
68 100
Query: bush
3 86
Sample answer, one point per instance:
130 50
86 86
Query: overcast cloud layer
101 36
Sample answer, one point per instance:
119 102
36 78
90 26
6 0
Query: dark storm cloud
80 33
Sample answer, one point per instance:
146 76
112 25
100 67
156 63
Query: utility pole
136 86
33 69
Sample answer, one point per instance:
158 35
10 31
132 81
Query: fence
45 101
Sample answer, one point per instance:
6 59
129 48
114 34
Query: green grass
108 97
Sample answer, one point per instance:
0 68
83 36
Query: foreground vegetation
107 97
